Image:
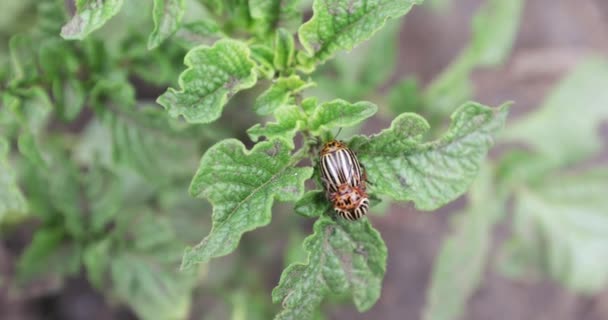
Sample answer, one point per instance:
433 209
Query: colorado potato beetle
344 180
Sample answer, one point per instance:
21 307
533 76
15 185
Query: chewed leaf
341 25
214 74
434 173
344 258
90 16
167 16
242 185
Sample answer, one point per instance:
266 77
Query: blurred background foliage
105 170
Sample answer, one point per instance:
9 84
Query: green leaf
448 294
339 25
202 32
142 137
216 7
329 115
434 173
313 204
559 131
289 121
405 96
23 59
273 14
242 186
167 15
90 16
29 148
263 55
71 97
105 192
494 27
284 49
144 272
354 75
96 259
50 255
11 198
344 258
32 107
339 113
280 93
560 228
214 74
378 68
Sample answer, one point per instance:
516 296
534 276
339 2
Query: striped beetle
344 180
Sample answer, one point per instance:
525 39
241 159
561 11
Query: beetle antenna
336 136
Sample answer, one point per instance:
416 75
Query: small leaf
49 255
273 14
167 16
560 229
263 55
344 257
558 130
96 259
202 32
28 147
23 59
284 49
11 198
71 97
313 204
214 74
242 186
494 29
329 115
217 7
340 25
280 93
90 16
289 120
433 173
339 113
